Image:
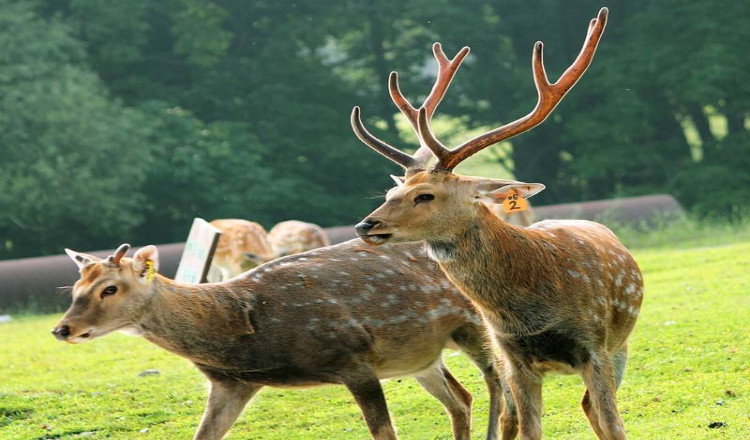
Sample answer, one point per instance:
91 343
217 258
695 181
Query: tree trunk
700 120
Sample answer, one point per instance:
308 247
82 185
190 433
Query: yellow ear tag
514 203
150 271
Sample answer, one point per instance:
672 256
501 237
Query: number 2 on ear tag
514 203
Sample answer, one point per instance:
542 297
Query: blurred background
121 121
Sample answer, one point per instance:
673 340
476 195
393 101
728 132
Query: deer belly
547 351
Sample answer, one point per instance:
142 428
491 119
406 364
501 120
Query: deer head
431 202
110 295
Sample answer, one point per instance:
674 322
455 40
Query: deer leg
439 382
509 417
592 415
481 354
366 389
621 360
526 386
225 403
599 377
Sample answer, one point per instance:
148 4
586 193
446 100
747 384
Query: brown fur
345 314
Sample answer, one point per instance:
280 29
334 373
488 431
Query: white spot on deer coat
618 280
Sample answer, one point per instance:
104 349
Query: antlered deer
344 314
559 295
293 236
239 239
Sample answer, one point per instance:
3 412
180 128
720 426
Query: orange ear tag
514 203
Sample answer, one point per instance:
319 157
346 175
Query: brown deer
242 245
293 236
344 314
558 296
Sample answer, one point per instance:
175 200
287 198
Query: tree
70 154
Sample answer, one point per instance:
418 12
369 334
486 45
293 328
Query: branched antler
446 70
550 94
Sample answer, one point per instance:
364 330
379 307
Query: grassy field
688 374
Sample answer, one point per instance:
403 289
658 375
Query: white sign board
198 253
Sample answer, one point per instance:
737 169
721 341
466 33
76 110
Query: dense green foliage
687 370
123 120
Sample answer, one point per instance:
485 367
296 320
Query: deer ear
80 259
146 262
495 191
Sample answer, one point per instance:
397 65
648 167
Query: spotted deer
242 245
559 296
344 314
293 236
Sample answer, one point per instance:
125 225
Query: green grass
689 367
683 233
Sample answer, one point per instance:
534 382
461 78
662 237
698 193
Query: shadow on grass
69 433
10 415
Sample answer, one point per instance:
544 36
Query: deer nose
62 333
365 225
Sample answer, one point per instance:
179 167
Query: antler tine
549 96
442 153
446 71
119 253
376 144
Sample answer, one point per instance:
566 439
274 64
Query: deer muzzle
365 231
61 332
65 333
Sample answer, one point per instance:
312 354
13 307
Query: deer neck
194 321
496 265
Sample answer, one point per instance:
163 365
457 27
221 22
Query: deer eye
109 290
424 198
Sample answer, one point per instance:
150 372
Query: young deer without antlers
242 243
558 296
344 314
293 236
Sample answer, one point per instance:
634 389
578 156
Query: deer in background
344 314
242 243
293 236
558 296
